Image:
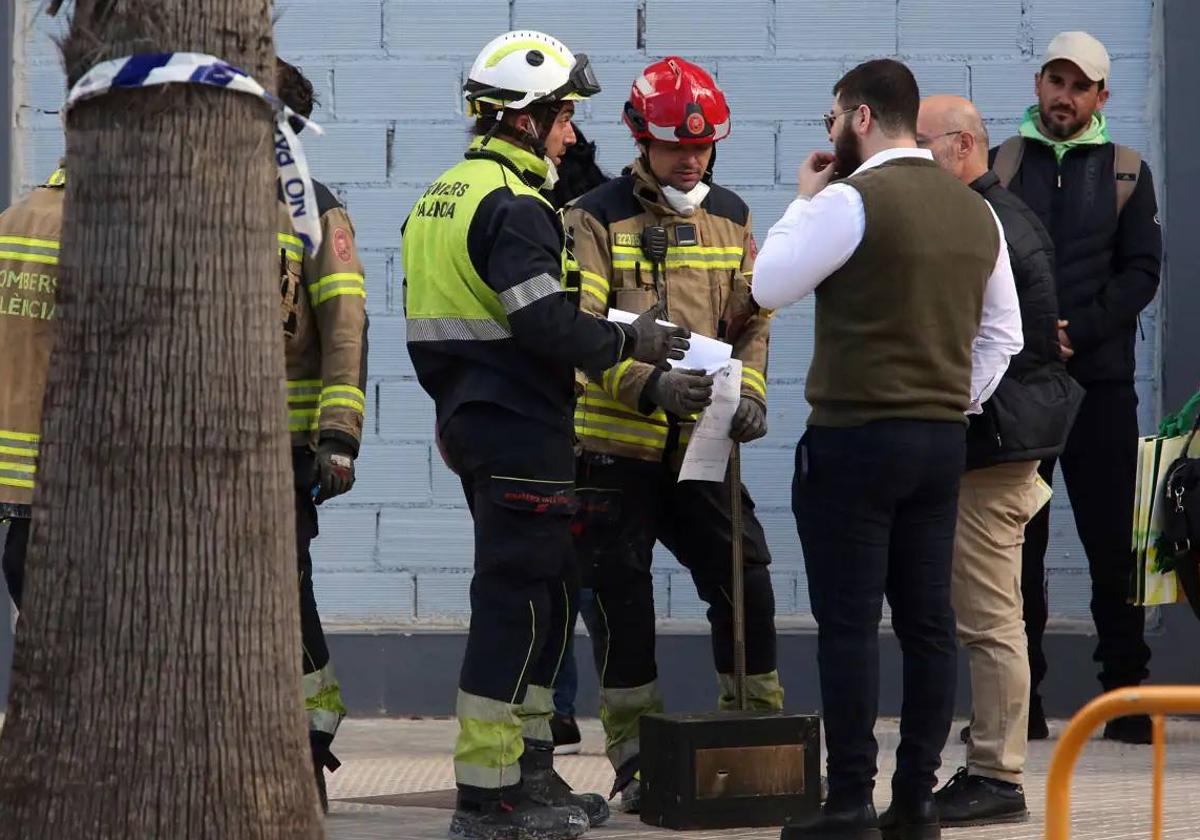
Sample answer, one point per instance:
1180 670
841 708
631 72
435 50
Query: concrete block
616 79
755 90
1139 135
41 34
41 150
422 151
350 26
398 90
365 597
320 73
942 77
780 527
1122 25
427 539
796 142
447 27
40 86
1002 91
388 354
767 205
770 486
784 583
392 473
1069 592
1131 94
787 413
791 346
377 270
685 602
405 411
347 540
933 26
615 148
378 213
447 488
348 152
747 157
707 27
835 27
607 28
443 595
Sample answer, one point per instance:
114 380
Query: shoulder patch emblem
342 246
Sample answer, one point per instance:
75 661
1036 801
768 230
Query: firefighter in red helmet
664 231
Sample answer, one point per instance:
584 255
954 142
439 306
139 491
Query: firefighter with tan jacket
325 338
664 231
29 244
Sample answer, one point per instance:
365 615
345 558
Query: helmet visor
582 82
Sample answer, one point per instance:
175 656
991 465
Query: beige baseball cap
1082 50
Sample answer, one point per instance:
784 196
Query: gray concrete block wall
388 73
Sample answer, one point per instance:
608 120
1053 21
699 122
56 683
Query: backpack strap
1127 166
1008 159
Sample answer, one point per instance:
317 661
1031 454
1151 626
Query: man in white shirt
916 319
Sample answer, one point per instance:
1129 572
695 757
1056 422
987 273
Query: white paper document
706 354
708 451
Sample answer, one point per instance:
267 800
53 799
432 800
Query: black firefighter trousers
518 478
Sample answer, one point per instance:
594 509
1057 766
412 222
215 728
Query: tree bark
156 678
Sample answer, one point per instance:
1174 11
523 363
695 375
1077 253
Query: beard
848 152
1061 130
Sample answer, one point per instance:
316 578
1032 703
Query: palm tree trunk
156 678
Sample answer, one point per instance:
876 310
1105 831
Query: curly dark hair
295 90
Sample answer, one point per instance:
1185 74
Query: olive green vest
895 324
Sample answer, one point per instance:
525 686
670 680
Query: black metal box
729 769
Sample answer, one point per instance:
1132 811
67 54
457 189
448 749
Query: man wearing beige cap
1097 200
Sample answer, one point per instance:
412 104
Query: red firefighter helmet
677 102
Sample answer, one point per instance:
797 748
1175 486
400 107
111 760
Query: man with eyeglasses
1024 421
1097 200
916 319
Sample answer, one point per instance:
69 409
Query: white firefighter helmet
524 68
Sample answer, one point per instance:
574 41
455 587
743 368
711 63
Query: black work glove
749 421
334 470
682 392
653 343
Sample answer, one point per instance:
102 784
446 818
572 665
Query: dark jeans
566 684
876 507
314 654
1098 466
16 543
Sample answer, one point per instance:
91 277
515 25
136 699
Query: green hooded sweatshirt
1096 134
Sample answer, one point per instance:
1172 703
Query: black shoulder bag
1179 542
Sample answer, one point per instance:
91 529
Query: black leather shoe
977 800
911 820
1131 729
859 823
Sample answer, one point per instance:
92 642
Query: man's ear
966 144
1102 98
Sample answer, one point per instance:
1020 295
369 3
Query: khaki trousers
994 505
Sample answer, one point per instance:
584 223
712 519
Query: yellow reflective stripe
330 294
303 398
24 256
599 282
341 276
29 436
16 482
30 241
18 451
754 380
344 390
57 178
683 249
605 426
516 46
21 468
302 419
339 402
612 376
305 383
345 396
679 263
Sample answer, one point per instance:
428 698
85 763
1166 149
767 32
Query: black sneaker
1038 730
911 819
1131 729
517 819
542 784
977 800
566 734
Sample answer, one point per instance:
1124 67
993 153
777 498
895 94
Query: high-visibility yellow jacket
706 280
29 244
324 327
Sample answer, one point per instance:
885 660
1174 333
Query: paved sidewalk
383 759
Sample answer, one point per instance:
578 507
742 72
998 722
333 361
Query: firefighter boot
515 817
544 785
323 759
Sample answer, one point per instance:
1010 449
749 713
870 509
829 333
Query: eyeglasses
831 117
925 142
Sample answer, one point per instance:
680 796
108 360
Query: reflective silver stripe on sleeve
455 329
530 291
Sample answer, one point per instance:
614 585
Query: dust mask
686 203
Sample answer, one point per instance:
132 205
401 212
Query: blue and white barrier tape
149 69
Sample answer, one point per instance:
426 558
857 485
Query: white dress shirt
817 236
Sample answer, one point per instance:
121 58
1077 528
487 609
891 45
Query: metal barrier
1154 700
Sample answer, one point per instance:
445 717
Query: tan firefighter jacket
29 237
706 280
325 328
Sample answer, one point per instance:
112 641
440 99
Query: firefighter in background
325 339
633 421
495 339
29 244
